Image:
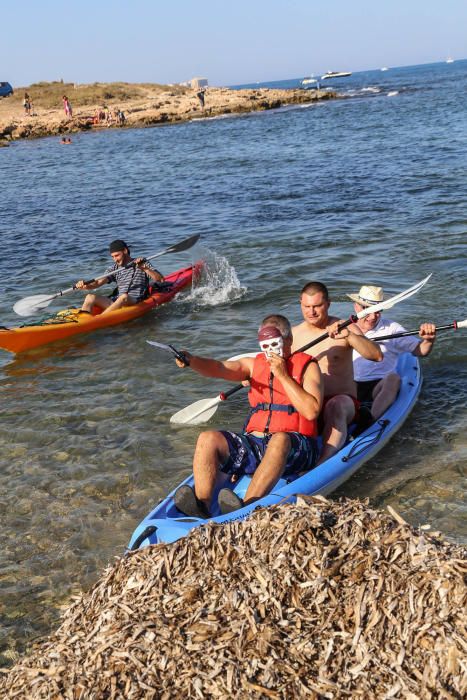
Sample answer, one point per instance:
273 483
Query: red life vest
271 410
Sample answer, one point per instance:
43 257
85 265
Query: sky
227 41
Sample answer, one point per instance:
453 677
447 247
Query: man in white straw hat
378 383
334 356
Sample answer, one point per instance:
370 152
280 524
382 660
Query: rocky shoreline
166 106
316 599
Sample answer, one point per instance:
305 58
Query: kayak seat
160 287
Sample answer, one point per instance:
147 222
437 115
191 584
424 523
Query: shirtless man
334 355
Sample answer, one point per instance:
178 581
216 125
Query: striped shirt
132 280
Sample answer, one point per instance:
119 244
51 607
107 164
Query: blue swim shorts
246 451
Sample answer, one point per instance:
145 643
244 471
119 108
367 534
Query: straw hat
367 296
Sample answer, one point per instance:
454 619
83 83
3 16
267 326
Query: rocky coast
316 599
97 106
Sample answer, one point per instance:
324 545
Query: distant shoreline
150 107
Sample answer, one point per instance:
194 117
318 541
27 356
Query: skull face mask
271 341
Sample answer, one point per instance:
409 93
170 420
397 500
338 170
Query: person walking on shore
378 382
200 96
27 104
67 107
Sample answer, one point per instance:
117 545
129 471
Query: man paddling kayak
132 282
279 435
334 356
379 383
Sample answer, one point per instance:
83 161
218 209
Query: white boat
384 68
308 81
335 74
449 60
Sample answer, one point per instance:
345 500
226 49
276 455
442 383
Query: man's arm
92 285
231 370
428 334
307 399
149 270
356 340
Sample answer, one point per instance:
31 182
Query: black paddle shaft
352 319
380 338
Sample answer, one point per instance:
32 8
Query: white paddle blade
31 305
462 324
196 413
389 303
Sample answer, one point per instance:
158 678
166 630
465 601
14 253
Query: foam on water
218 285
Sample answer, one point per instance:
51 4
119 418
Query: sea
369 188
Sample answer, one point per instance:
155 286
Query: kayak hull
25 338
166 524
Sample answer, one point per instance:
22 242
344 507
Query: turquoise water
366 189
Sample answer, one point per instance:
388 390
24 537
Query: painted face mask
271 341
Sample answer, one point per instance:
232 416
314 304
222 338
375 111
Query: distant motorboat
335 74
449 60
308 81
384 68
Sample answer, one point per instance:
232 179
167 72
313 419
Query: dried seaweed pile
317 599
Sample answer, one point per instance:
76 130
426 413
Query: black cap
117 246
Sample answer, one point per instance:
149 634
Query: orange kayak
71 322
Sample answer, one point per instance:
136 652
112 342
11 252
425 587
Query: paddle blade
31 305
392 301
184 245
196 413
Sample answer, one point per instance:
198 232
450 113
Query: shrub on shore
48 95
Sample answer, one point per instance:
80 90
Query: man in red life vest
279 435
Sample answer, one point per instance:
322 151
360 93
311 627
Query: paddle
30 305
173 351
200 411
454 324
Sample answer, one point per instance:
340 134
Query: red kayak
70 322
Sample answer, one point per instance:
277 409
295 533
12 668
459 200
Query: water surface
366 189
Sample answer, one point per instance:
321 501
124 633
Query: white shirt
367 370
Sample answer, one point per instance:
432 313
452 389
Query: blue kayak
166 524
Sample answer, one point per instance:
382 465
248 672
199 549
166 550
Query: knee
338 408
392 382
211 440
280 440
90 298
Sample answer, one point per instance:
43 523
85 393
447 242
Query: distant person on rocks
132 282
67 107
378 382
27 104
120 117
200 96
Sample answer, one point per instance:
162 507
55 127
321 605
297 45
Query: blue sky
228 42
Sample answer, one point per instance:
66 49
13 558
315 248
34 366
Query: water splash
219 283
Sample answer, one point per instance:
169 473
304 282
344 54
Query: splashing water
219 283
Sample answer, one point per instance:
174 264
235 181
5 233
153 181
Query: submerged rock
315 600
